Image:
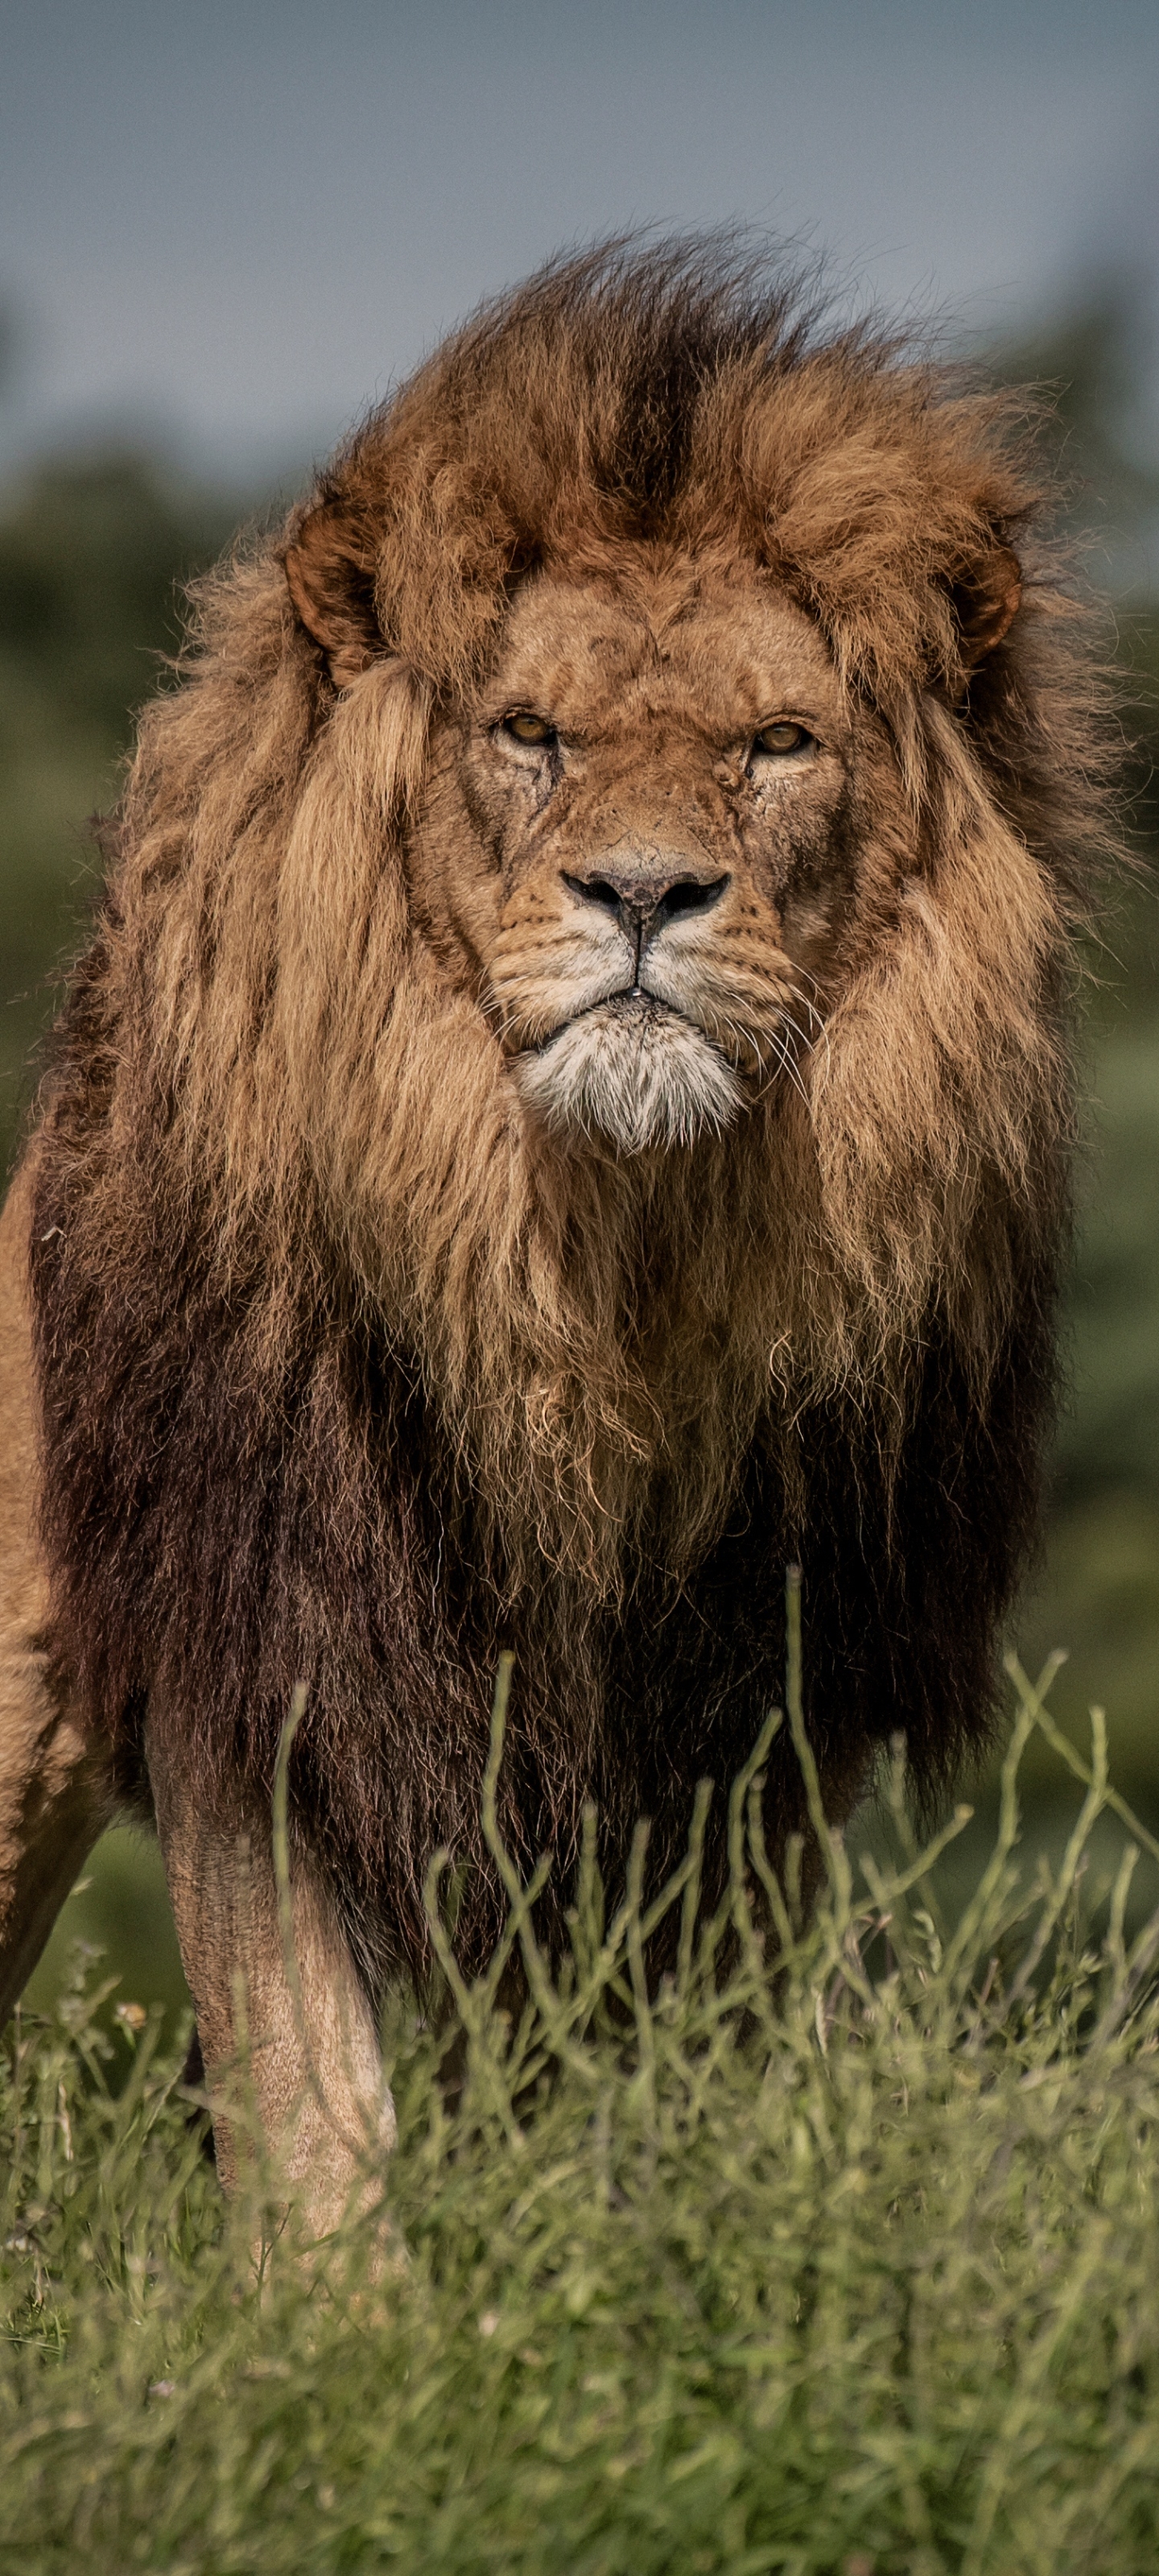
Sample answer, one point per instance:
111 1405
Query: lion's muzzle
617 1049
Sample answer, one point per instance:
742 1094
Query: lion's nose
643 902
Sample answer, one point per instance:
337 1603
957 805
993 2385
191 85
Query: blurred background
224 231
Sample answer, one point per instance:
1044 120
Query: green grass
851 2269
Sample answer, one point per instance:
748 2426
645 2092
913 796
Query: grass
854 2269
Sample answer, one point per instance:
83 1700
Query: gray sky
231 222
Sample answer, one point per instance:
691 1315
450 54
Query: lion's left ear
986 602
330 571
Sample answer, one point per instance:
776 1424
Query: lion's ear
330 572
986 602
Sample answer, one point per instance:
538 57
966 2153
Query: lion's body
412 1276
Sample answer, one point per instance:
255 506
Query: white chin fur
637 1075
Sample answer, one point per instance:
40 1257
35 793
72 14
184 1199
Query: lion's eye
524 727
783 736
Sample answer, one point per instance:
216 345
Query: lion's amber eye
781 737
524 727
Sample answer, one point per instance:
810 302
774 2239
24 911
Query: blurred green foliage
1097 1587
93 553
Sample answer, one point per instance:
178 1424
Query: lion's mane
344 1378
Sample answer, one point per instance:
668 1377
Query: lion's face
637 848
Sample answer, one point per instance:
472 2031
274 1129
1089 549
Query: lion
567 1109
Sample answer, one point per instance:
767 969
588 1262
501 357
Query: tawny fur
350 1366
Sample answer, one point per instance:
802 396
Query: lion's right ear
330 572
986 601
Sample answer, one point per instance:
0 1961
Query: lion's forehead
603 654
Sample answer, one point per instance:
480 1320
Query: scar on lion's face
638 844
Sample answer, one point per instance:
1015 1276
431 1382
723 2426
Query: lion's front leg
300 2024
56 1787
56 1797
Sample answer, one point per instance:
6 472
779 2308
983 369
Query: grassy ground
854 2271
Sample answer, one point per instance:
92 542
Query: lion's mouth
632 1069
631 1008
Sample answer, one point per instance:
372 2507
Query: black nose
644 901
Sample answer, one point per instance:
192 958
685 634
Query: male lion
566 1109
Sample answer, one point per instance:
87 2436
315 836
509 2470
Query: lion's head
636 846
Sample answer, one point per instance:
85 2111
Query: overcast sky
230 223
